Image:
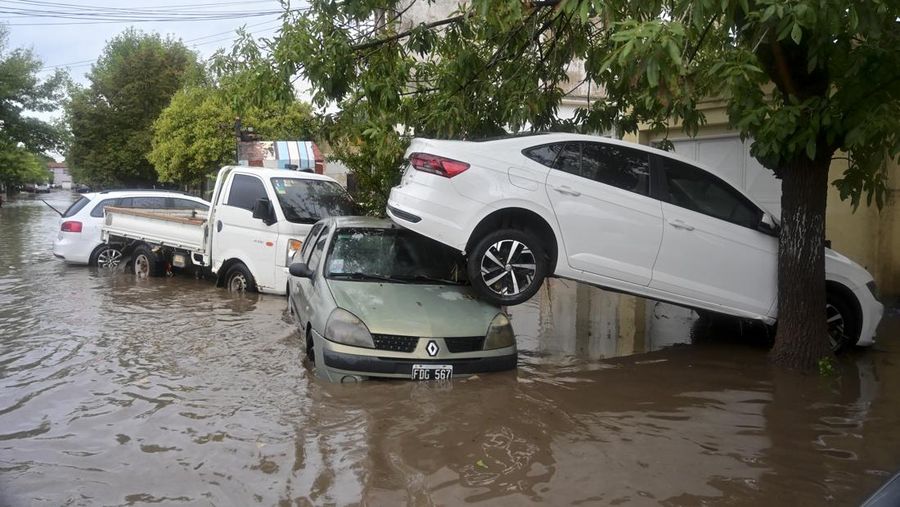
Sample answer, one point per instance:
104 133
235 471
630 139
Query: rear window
76 207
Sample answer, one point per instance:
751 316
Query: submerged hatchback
376 300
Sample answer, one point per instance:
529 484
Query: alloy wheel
508 267
109 258
836 326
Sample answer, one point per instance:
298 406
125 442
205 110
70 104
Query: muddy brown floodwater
170 391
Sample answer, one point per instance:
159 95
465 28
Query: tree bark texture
802 337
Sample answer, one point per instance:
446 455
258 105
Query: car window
545 154
307 248
695 189
97 212
176 203
620 167
148 202
306 201
377 254
569 159
317 251
245 191
76 207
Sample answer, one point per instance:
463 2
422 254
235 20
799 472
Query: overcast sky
71 34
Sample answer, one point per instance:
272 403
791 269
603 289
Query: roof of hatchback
111 194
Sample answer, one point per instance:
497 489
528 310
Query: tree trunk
802 337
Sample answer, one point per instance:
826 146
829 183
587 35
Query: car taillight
71 226
434 164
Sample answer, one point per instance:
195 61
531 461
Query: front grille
464 343
395 343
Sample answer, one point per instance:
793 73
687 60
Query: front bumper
336 361
872 312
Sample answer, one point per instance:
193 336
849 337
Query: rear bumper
391 367
72 248
431 212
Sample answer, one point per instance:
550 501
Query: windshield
308 201
396 255
76 207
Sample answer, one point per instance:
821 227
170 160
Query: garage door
730 157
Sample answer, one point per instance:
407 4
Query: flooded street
115 391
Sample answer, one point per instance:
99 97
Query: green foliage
22 136
110 120
803 79
194 135
827 366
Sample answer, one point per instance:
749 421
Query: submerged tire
507 266
106 257
146 263
239 279
842 321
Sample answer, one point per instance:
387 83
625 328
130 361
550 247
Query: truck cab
259 218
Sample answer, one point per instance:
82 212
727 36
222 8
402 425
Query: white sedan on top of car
79 241
612 214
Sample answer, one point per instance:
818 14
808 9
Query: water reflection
116 391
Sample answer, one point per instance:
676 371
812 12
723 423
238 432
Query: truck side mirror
263 210
300 270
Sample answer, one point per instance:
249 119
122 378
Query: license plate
432 371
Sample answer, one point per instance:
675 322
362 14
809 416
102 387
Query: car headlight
344 327
500 333
294 246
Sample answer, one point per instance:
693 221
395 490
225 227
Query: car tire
507 267
842 321
310 347
146 263
239 279
106 257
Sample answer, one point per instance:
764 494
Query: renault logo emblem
432 348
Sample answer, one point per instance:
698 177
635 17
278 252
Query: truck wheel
106 257
507 267
239 279
146 263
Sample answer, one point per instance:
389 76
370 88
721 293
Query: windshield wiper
367 276
425 278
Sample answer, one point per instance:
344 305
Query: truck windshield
308 201
393 255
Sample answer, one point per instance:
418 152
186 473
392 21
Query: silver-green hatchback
376 300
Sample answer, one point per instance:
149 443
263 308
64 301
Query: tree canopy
801 79
110 120
22 137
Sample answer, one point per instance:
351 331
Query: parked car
257 222
42 188
616 215
79 240
376 300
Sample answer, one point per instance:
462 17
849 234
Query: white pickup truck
257 221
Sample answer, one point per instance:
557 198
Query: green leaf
796 33
653 73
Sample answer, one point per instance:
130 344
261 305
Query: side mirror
767 225
263 210
300 270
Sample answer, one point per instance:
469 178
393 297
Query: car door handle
565 189
678 224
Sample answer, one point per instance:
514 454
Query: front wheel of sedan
507 266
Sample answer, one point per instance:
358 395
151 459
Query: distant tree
22 136
194 135
805 79
110 120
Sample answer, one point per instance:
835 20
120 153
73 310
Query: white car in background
617 215
79 241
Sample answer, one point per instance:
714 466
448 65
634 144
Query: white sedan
613 214
79 241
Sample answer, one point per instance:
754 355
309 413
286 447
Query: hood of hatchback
415 309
